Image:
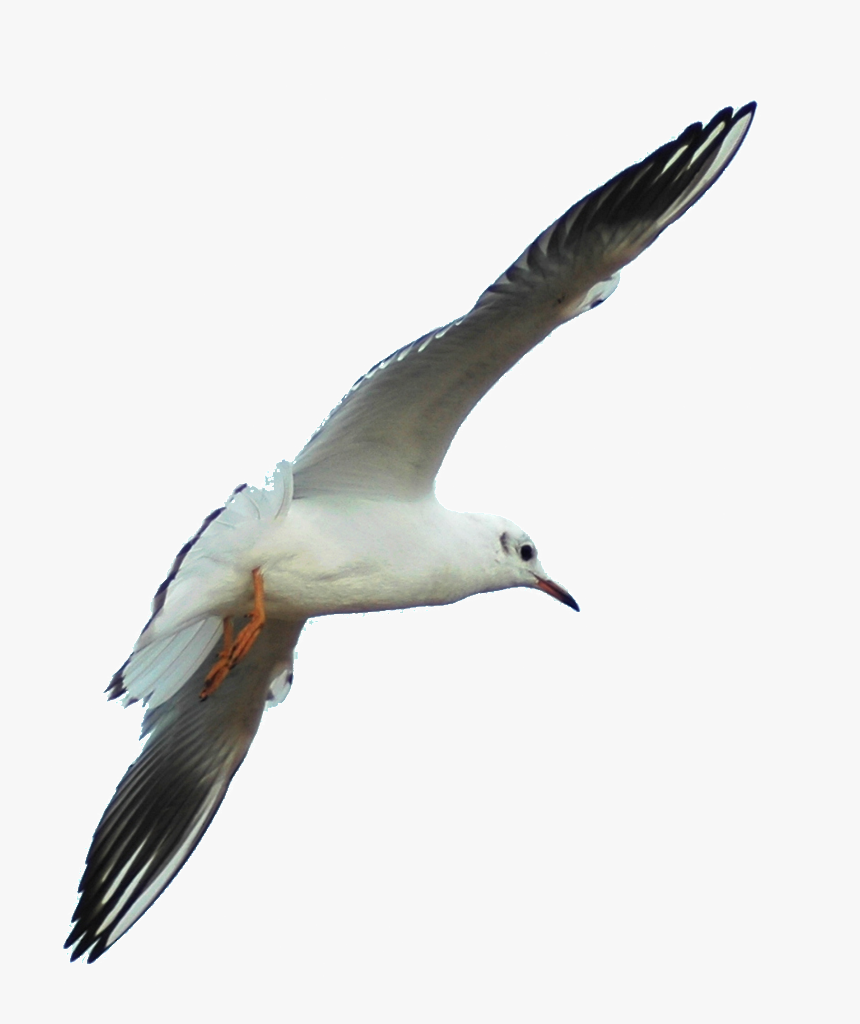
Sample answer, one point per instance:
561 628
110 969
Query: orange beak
559 593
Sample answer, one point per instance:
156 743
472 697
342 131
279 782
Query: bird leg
234 650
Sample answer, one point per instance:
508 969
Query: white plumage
352 525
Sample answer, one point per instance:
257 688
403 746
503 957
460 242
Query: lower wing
171 793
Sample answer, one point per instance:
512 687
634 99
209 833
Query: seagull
352 525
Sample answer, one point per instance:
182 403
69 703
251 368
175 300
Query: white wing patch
279 687
593 297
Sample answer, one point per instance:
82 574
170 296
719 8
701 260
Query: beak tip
559 593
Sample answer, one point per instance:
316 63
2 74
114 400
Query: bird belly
321 558
327 560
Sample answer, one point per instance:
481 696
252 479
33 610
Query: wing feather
168 797
390 433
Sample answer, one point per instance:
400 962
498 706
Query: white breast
354 554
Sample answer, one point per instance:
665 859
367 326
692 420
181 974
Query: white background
214 218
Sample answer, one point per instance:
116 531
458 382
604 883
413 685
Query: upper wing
390 433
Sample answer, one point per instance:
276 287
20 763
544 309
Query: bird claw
234 651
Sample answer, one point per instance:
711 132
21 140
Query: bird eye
527 552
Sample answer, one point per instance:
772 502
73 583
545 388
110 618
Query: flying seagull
353 525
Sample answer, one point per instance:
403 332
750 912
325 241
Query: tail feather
168 797
156 672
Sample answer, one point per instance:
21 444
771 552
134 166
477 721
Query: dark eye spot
527 552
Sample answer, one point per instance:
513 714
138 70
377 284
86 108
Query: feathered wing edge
390 433
612 225
171 793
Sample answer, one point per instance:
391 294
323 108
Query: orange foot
234 651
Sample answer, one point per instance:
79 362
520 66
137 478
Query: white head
509 557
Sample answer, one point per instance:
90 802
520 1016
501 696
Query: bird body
335 554
352 525
376 564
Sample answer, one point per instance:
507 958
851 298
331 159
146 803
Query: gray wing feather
171 793
390 433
